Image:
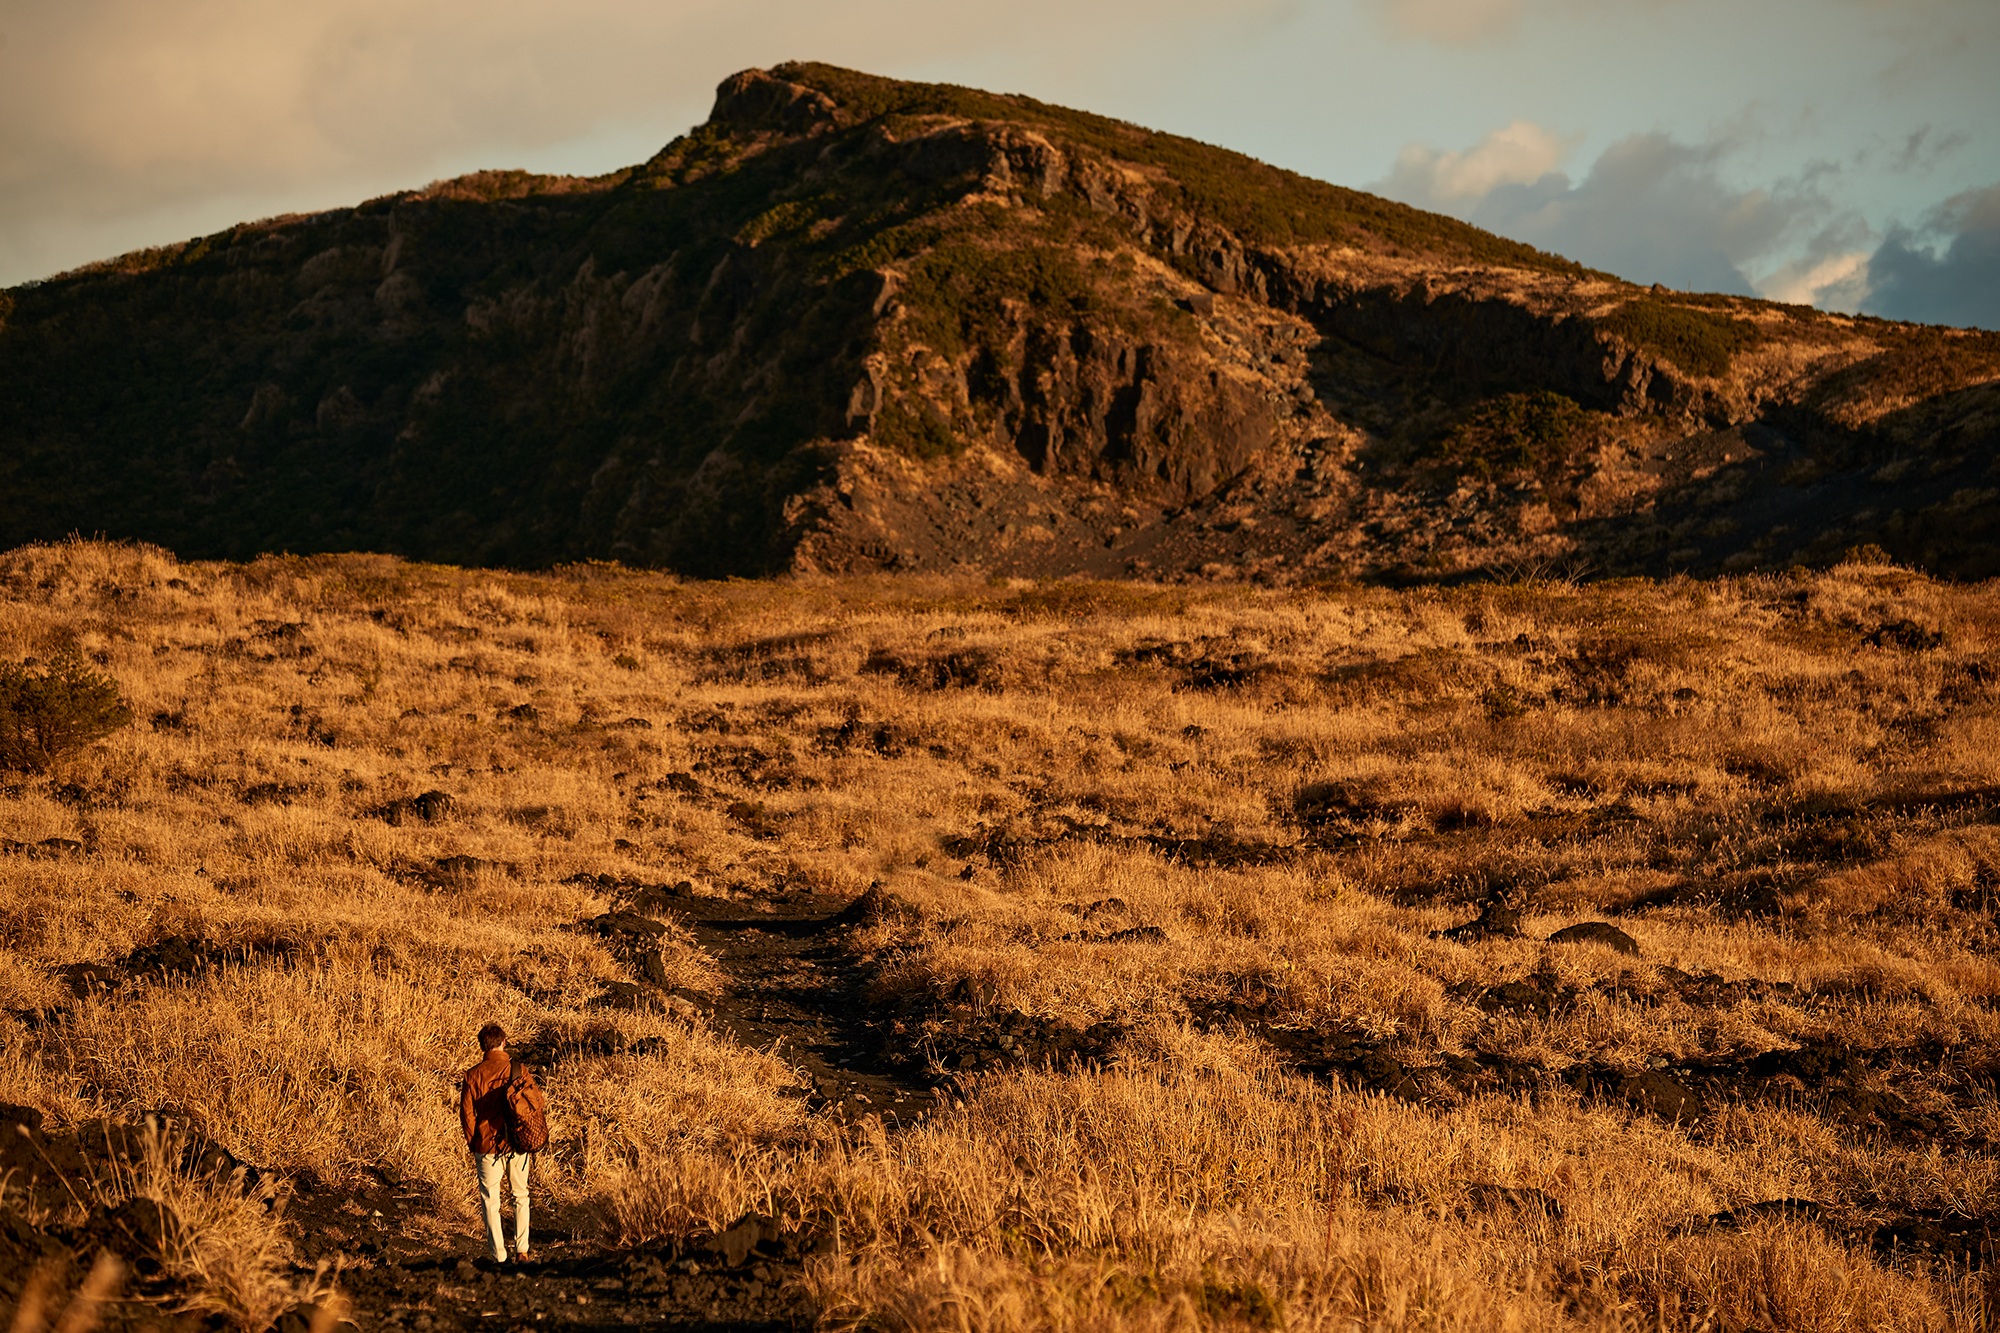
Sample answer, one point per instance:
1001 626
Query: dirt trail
795 989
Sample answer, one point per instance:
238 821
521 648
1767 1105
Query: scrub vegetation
1699 341
1221 918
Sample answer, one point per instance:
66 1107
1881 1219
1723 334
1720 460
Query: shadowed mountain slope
855 323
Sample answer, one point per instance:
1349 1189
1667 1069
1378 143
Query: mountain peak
774 101
854 322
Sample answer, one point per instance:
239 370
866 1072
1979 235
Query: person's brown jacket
482 1103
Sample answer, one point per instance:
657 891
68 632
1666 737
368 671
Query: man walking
503 1114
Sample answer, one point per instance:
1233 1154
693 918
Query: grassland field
1174 889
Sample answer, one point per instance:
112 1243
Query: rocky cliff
852 323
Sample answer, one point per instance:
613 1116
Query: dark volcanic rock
1499 917
25 1248
970 1042
627 995
40 1165
430 808
651 898
1970 1241
629 924
958 669
311 1318
1794 1210
1650 1090
1812 1063
1534 995
143 1231
83 978
1350 1057
1658 1094
653 967
875 906
747 1275
1596 932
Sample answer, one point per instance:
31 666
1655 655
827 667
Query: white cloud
1650 209
113 112
1520 154
1945 271
1828 280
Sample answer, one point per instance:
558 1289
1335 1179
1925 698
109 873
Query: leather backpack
527 1110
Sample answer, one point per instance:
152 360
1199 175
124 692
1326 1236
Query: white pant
486 1166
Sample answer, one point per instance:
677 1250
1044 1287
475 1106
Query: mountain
854 323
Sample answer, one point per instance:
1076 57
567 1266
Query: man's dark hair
492 1035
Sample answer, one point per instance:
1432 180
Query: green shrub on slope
45 718
1698 342
1518 432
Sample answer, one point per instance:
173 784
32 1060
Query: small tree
45 718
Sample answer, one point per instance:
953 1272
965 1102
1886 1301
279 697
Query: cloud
1923 147
1914 38
1452 22
1815 279
1650 209
1653 209
197 113
1520 154
1945 271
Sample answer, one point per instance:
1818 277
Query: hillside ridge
855 323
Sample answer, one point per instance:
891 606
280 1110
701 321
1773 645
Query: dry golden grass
1773 778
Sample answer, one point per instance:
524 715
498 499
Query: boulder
629 924
430 807
12 1115
1596 932
83 978
143 1231
173 956
1795 1210
1661 1095
1499 917
659 897
874 907
744 1238
627 995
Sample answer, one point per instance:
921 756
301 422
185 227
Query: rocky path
796 989
745 1278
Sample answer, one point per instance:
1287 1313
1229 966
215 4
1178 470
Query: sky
1838 152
